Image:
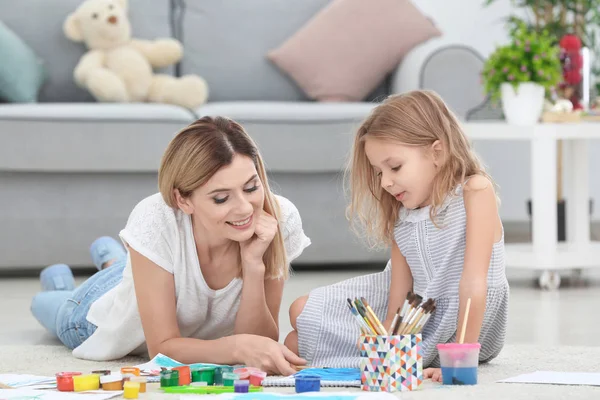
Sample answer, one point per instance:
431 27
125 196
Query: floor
536 316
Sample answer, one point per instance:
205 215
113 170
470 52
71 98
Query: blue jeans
64 312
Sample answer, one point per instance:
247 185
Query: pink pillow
350 46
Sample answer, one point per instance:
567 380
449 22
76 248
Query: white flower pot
523 106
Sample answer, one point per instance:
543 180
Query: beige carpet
514 360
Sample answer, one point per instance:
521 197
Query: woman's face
228 204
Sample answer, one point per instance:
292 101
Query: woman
206 262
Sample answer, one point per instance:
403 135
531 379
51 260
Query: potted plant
522 73
560 18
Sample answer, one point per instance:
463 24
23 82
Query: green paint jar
229 378
204 374
218 379
169 378
219 371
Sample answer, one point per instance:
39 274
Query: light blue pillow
22 72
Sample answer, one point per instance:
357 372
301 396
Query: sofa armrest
406 76
451 70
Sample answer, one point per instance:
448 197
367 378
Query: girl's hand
253 249
434 373
268 355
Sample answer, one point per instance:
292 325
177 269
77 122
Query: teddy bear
119 68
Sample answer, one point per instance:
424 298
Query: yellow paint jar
86 382
142 380
112 382
131 390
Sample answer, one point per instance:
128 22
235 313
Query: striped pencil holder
391 363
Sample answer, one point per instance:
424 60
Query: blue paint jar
308 383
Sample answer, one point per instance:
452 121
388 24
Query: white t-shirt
164 236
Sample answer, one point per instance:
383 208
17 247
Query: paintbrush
396 316
380 326
424 320
399 317
303 367
361 310
466 318
418 316
361 322
410 312
407 301
397 326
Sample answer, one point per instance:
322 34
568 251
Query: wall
468 22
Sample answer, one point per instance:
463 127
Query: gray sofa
72 169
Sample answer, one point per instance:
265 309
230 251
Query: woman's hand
268 355
434 373
253 249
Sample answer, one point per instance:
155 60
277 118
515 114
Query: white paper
557 378
161 361
8 394
21 380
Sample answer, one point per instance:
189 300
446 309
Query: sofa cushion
22 72
226 42
297 137
39 23
87 137
345 51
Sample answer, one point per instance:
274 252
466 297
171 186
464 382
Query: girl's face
406 172
228 205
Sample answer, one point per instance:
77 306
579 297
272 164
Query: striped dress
328 333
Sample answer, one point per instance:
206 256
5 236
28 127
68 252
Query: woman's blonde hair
417 118
197 152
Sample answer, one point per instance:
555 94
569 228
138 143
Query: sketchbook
330 377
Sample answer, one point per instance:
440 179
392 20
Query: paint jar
459 363
257 377
219 371
102 372
169 378
240 386
198 384
112 382
218 379
308 383
64 381
131 390
184 375
142 380
229 378
82 383
204 374
243 373
130 370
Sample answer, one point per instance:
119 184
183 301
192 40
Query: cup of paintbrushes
459 362
391 363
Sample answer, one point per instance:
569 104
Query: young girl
416 186
206 262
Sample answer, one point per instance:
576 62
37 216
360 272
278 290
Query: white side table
545 253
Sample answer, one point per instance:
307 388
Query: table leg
578 193
543 196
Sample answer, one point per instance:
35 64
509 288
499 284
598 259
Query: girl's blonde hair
417 118
197 152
